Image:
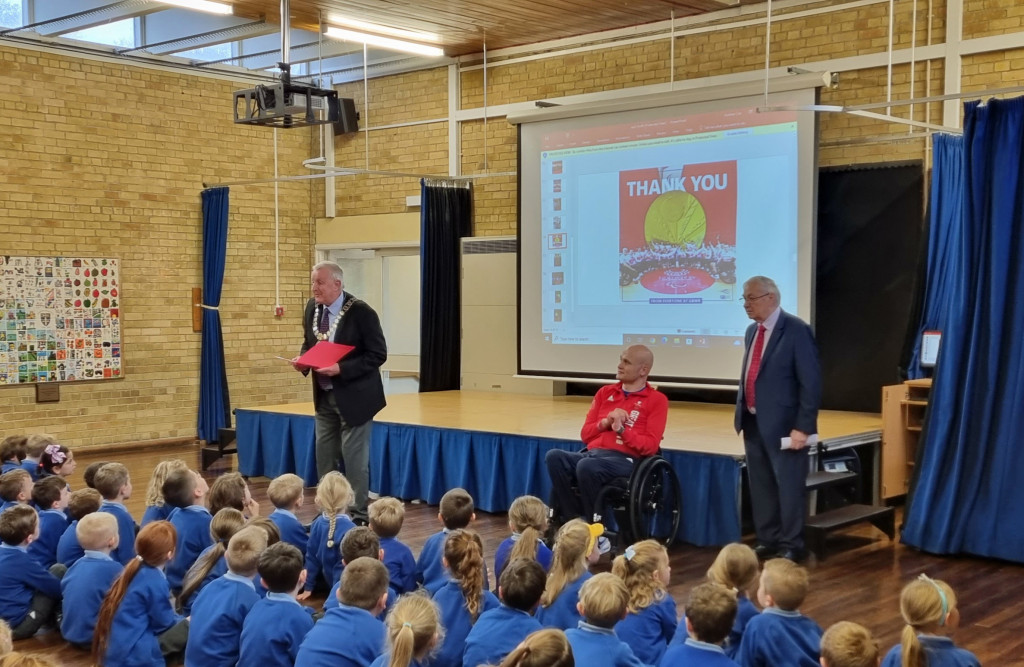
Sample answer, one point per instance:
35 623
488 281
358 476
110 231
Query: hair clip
138 558
630 552
57 456
407 624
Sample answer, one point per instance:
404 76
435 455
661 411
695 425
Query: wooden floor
860 579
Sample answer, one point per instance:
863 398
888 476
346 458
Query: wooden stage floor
692 427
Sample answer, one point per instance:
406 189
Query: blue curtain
967 496
946 234
214 404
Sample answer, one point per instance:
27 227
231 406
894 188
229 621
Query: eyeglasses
750 299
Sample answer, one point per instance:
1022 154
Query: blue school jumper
456 622
693 653
219 569
68 548
83 588
745 610
144 612
561 613
8 466
592 645
291 529
52 524
400 563
125 550
156 513
8 504
32 468
344 637
20 577
321 559
216 621
938 652
193 526
273 631
331 601
779 637
505 548
430 571
649 631
495 634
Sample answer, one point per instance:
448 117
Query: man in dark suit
779 396
349 393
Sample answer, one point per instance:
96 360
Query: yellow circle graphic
676 217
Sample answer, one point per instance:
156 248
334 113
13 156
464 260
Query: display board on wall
61 319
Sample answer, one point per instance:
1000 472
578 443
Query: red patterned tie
755 365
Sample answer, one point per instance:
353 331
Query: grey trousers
337 442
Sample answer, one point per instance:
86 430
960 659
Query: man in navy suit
779 396
349 393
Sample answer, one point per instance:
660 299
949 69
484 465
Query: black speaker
348 117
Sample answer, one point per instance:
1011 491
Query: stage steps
818 526
213 451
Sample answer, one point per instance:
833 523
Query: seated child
156 508
286 494
710 612
56 460
215 625
277 624
542 648
413 628
651 618
463 597
29 595
350 635
137 624
12 451
89 578
273 537
735 567
781 635
89 475
847 644
15 488
81 504
500 630
186 491
333 496
603 603
575 550
115 485
50 495
928 607
386 516
455 511
359 542
211 564
34 448
230 490
528 521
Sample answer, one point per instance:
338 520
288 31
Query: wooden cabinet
903 409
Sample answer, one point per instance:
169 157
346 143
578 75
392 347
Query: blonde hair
154 490
223 527
847 644
386 516
735 567
568 560
541 648
285 490
464 553
925 603
244 549
414 628
786 582
528 516
334 495
95 530
604 598
636 567
26 660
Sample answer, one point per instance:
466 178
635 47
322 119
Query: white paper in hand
812 439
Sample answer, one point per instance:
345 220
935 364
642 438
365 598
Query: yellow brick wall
102 159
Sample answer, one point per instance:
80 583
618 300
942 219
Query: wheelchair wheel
655 501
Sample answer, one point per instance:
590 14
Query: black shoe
765 552
795 555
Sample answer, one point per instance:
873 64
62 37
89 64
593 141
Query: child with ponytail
928 607
413 630
651 613
211 563
528 521
137 625
462 598
543 648
323 557
575 550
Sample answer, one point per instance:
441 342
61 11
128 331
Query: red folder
324 354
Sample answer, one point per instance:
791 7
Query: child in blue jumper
928 607
34 448
156 508
386 518
500 630
286 494
211 563
81 504
137 626
651 618
50 495
186 490
277 624
575 550
710 612
15 489
29 595
220 609
602 604
781 635
12 451
115 485
463 597
323 557
358 543
455 511
528 521
89 578
413 628
847 644
350 635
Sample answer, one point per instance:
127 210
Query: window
119 33
207 53
10 13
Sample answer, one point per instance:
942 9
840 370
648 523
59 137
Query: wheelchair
646 505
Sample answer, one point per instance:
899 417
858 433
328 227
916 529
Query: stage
493 445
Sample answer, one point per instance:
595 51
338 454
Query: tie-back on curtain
214 403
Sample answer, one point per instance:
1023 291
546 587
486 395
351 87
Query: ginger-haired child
575 550
463 597
528 521
929 609
847 644
386 516
334 496
651 619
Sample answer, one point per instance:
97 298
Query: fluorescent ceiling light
383 42
385 30
201 5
